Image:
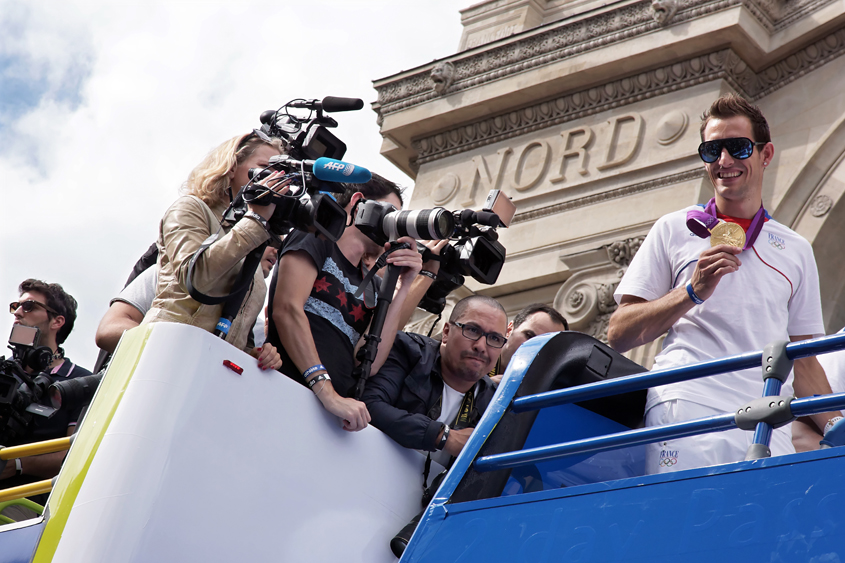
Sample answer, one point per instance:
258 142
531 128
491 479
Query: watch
442 443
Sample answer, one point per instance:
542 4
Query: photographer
315 319
211 186
52 311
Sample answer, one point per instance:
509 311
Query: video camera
20 393
312 166
475 250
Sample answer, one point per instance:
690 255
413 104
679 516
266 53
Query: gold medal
727 233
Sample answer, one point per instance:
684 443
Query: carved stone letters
528 167
574 149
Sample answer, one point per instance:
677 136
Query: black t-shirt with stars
337 317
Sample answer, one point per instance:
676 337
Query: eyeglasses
474 332
738 147
28 306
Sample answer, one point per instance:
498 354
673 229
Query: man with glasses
722 279
52 311
429 395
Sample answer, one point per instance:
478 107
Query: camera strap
197 294
241 284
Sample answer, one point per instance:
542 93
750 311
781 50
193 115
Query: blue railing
727 421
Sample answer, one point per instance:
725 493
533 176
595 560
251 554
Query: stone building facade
587 113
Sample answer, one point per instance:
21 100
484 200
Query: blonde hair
209 181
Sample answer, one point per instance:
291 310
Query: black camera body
474 251
20 393
308 205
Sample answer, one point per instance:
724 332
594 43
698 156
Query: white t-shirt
452 400
750 308
142 290
834 367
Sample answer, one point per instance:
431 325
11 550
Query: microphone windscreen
333 103
331 170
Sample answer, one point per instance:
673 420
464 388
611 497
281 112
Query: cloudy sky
105 107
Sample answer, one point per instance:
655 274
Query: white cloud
133 96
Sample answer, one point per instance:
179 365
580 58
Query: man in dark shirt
429 395
316 322
50 309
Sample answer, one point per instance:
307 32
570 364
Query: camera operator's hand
409 259
277 183
268 357
354 414
434 246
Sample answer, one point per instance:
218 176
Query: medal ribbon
702 222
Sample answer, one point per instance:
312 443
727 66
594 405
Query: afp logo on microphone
342 167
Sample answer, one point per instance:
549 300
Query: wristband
261 220
442 443
830 423
312 369
428 274
18 467
695 298
322 377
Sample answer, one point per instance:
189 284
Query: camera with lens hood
474 249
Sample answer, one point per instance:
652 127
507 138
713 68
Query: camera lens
420 224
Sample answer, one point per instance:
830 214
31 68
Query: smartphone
501 205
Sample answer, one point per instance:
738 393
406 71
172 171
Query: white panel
202 464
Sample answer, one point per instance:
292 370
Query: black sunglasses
473 332
28 306
738 147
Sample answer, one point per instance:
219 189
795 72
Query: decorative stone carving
671 127
622 252
664 10
442 75
724 64
820 205
571 38
586 299
446 189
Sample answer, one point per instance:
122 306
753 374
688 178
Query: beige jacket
184 228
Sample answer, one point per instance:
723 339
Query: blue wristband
695 298
313 369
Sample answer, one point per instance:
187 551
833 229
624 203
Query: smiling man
429 395
722 279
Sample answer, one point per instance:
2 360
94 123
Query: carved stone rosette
586 299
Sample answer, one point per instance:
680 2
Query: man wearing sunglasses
429 395
50 309
722 279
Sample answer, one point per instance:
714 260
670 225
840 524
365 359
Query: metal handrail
794 350
640 436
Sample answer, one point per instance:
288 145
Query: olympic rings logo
668 461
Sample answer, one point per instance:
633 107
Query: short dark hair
57 299
731 105
377 188
523 315
461 306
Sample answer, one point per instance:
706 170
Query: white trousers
704 450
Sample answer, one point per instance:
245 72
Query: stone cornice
724 64
624 191
566 39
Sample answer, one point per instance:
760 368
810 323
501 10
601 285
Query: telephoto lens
419 224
